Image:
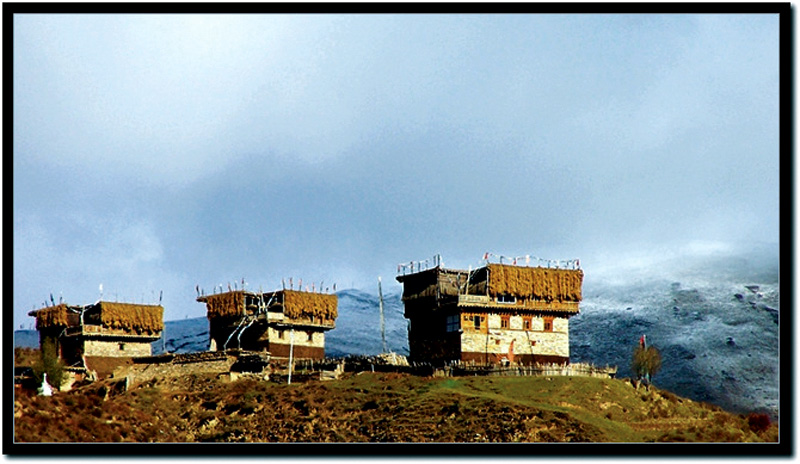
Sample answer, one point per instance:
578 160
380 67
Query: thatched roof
294 304
224 304
536 282
129 316
52 316
297 304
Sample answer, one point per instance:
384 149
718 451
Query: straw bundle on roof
537 282
305 305
53 316
225 304
128 316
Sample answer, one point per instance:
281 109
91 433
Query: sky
157 153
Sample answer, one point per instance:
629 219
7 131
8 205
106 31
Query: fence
436 261
355 364
417 266
529 259
576 370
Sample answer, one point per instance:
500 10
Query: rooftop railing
412 267
418 266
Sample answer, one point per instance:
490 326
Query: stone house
100 336
275 322
496 314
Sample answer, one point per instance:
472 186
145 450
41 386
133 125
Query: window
452 323
280 334
526 323
504 322
310 336
548 324
122 347
477 320
506 298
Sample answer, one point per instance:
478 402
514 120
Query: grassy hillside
370 407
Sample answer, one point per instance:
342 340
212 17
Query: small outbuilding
279 322
100 336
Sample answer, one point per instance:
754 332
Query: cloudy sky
155 153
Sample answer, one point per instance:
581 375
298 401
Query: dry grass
298 305
540 283
376 408
26 356
225 304
53 316
128 316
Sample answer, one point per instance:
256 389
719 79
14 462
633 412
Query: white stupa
45 389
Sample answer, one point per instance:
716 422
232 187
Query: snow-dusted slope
714 320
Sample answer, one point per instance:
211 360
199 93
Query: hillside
371 407
716 322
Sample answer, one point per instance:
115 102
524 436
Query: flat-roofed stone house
496 314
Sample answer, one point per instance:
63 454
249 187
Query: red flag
486 255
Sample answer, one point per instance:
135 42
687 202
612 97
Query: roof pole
383 321
291 352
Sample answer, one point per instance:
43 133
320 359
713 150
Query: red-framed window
526 323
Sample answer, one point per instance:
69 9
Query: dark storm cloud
162 152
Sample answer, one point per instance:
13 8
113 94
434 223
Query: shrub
669 396
646 361
758 422
50 364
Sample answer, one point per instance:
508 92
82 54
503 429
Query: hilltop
377 407
716 322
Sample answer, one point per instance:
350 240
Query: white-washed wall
300 337
534 341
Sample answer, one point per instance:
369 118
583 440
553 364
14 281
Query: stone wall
124 349
143 372
535 341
